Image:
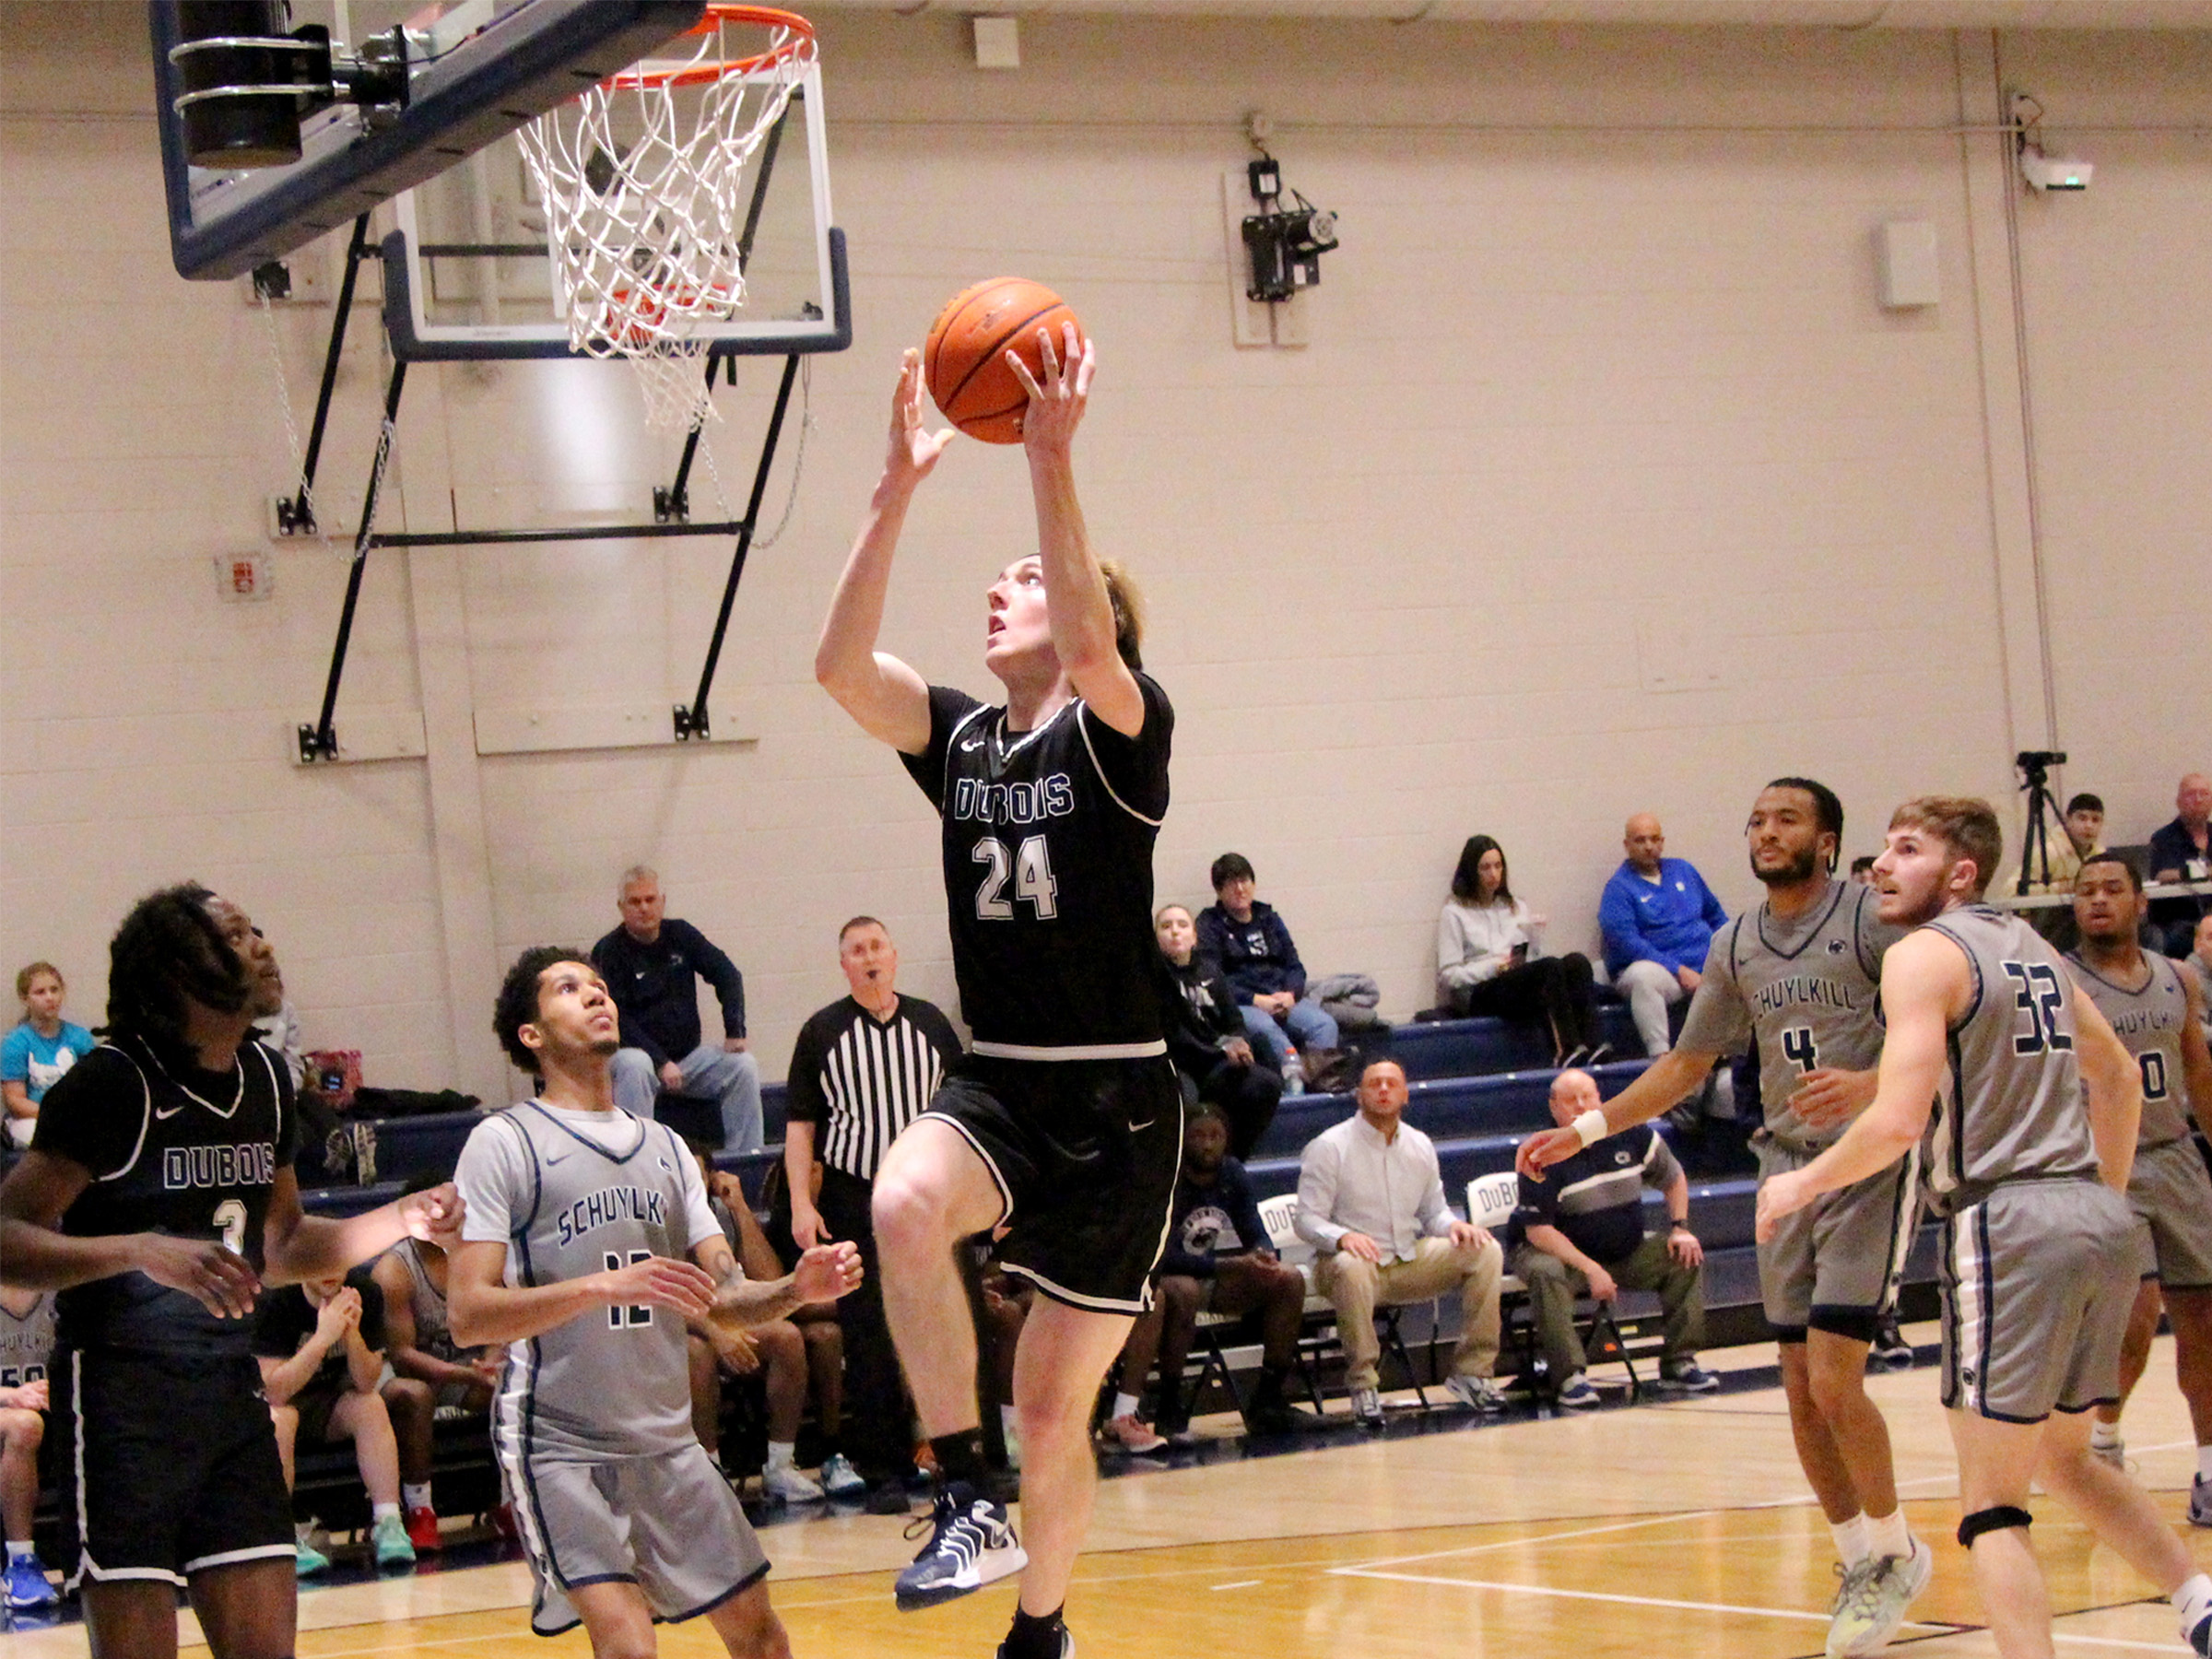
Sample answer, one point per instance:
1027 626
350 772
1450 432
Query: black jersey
1048 873
188 1153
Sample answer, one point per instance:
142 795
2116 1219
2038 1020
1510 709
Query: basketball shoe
970 1544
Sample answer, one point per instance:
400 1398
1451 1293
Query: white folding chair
1491 1200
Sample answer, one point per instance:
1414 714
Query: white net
648 184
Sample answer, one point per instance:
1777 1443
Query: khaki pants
1437 1267
1554 1287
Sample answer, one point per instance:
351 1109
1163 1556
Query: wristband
1591 1128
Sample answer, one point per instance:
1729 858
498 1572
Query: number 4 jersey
171 1149
1806 987
1048 873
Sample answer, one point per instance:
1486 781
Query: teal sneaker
390 1537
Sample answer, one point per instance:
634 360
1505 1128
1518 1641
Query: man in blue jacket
1659 918
653 964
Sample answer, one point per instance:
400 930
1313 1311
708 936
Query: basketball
964 360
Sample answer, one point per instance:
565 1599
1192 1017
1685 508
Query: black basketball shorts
1084 1153
169 1465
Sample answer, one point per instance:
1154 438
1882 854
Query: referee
862 1069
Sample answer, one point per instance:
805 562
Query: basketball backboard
474 73
466 273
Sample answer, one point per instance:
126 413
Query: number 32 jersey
1048 872
171 1149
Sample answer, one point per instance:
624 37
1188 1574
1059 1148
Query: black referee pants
878 1429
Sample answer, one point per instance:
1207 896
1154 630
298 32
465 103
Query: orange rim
799 38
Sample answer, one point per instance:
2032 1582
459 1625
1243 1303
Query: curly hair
518 1005
170 951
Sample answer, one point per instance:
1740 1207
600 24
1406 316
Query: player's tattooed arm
824 1274
888 699
2196 1054
2113 1092
41 1258
482 1308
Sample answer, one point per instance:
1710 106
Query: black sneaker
1890 1349
971 1544
1067 1645
887 1497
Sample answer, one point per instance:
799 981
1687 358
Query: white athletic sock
1888 1536
2193 1601
2104 1436
780 1454
2204 1463
414 1496
377 1512
19 1547
1125 1404
1851 1539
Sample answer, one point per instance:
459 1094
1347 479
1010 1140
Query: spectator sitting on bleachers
1252 947
1370 1201
321 1346
1862 869
25 1347
1578 1231
1487 960
1207 1039
2181 850
1658 918
418 1342
784 1355
1217 1261
652 964
37 1051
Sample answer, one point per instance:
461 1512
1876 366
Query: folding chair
1491 1200
1280 1214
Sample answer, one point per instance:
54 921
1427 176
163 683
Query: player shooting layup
1066 1122
1799 975
2034 1105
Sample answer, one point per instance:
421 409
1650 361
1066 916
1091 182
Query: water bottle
1294 1074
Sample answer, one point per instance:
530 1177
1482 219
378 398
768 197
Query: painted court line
1241 1584
1600 1595
1524 1542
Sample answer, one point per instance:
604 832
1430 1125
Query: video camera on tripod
2034 766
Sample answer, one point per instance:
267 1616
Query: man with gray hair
650 964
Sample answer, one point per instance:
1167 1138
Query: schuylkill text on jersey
1048 868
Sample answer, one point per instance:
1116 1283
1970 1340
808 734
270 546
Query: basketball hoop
646 199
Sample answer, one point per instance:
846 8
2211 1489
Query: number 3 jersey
2010 1105
2149 1021
571 1193
1805 987
1048 873
171 1149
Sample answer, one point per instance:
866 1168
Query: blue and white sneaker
1687 1377
2199 1638
1577 1393
2200 1501
27 1584
971 1544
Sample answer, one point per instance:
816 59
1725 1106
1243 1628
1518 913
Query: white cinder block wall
1598 388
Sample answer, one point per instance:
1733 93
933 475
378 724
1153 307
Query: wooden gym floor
1678 1529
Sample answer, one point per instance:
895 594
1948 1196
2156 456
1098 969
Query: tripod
2043 814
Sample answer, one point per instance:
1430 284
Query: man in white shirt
1370 1201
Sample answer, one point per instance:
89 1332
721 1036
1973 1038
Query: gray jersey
2149 1019
572 1193
433 1328
25 1341
2011 1106
1805 988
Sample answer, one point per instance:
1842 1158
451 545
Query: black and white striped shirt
861 1080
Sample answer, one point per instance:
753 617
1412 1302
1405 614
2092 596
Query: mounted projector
2045 173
